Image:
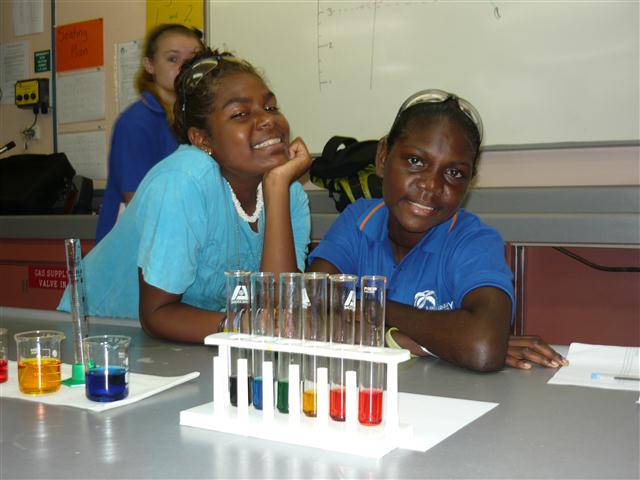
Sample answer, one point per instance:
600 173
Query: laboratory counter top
536 431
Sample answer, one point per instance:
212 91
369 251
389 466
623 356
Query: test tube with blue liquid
289 326
262 323
237 320
78 318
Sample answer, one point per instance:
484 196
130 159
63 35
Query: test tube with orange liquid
314 328
342 317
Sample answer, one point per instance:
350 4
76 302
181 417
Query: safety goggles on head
440 96
201 69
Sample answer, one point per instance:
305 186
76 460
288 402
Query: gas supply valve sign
47 277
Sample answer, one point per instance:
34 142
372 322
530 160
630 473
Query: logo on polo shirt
426 300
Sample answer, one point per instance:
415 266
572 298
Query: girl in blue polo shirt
450 291
142 135
227 199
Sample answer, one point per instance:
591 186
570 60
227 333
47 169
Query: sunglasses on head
201 69
440 96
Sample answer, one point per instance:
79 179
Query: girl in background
142 134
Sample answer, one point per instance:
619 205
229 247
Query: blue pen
597 375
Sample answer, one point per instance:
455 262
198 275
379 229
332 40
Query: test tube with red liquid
237 320
371 374
342 316
314 329
289 326
262 323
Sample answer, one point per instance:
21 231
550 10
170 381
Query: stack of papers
601 366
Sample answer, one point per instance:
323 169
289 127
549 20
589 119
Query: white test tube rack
296 428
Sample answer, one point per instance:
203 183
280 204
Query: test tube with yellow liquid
314 328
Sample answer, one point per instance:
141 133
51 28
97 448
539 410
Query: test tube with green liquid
289 326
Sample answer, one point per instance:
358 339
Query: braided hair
194 104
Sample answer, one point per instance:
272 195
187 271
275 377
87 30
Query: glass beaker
38 354
106 366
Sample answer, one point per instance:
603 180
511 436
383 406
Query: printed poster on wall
81 96
186 12
79 45
87 152
127 64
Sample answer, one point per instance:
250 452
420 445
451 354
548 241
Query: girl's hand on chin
299 162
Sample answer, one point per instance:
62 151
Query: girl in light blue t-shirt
227 199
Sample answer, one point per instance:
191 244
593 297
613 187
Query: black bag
32 184
347 169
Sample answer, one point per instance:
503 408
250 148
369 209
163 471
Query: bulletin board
540 73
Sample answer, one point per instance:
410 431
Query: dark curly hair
420 113
194 104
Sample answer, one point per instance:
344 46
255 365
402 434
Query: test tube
371 376
262 321
80 329
237 320
314 328
289 326
342 316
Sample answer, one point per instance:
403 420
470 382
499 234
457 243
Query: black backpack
347 169
35 184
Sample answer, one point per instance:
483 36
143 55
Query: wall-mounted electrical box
33 93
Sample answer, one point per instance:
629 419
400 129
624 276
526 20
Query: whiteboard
539 72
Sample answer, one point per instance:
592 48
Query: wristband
388 337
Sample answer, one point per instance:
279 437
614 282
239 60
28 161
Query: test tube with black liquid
237 320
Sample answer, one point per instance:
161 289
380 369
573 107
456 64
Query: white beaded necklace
243 215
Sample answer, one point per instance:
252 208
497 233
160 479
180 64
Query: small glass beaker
106 366
38 354
4 351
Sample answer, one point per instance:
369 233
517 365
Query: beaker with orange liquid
38 354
